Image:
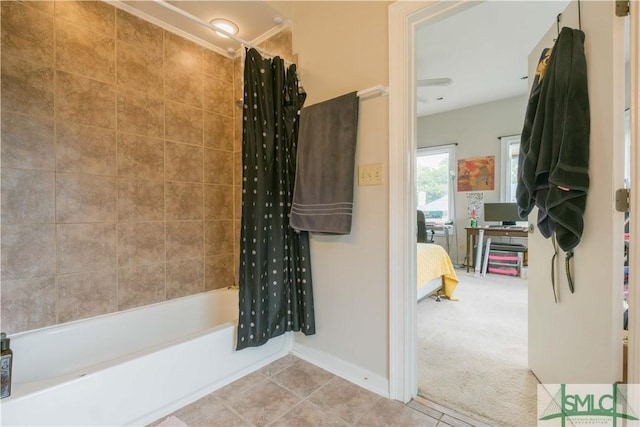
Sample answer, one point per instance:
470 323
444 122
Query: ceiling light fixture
226 26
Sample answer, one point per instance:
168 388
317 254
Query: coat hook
579 17
557 26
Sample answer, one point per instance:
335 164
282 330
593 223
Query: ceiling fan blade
435 82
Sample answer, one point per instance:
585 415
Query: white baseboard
350 372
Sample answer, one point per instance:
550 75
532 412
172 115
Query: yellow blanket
434 262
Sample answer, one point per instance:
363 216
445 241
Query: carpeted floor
472 353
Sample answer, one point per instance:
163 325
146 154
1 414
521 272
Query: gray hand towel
323 192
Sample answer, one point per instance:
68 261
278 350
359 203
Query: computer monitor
505 213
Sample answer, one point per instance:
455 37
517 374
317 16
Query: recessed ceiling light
226 26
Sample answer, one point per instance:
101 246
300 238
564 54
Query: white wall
342 47
476 131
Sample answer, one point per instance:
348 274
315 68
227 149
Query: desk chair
423 232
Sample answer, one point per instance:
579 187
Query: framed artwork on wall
477 174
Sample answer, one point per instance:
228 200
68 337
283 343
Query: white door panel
579 339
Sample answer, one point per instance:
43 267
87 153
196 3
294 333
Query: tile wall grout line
202 183
164 161
115 107
55 166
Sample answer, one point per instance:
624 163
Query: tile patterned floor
292 392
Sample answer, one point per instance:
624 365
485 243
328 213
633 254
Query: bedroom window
434 184
510 151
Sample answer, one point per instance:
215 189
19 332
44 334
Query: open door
579 338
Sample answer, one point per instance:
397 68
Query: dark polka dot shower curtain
275 266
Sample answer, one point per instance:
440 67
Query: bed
435 272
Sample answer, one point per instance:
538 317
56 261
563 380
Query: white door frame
633 366
404 17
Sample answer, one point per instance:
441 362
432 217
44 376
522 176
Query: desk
472 233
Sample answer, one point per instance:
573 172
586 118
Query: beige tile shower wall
120 164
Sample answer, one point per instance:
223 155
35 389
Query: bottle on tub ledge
5 366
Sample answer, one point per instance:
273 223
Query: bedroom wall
476 130
350 273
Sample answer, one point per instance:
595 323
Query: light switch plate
370 174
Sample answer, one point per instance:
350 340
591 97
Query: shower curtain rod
197 20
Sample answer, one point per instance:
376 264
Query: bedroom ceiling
483 49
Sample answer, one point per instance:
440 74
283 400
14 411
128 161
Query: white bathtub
130 367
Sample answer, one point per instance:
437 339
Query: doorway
404 19
474 349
